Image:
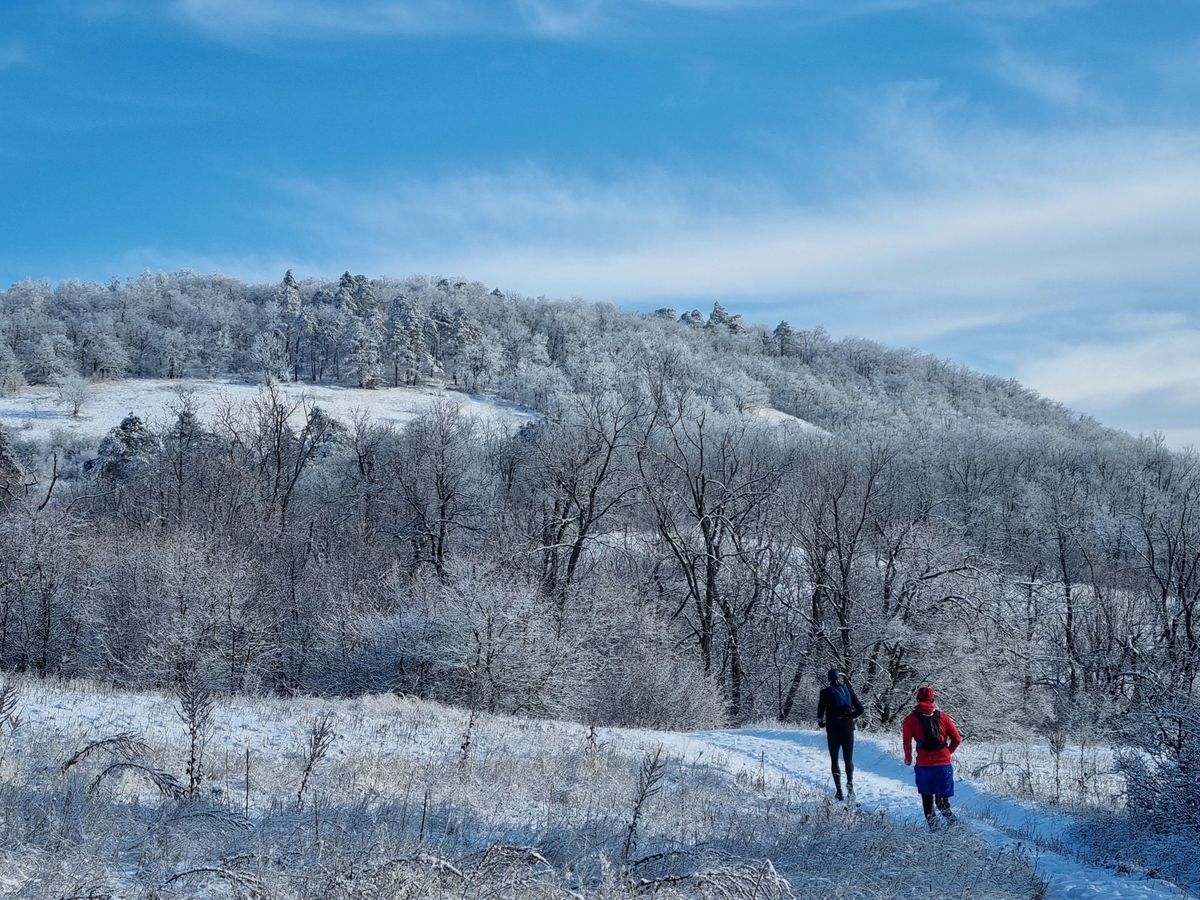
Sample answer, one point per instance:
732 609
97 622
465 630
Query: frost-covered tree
288 311
12 372
48 358
785 342
345 297
126 450
462 337
73 392
109 358
12 479
363 358
407 341
365 301
270 356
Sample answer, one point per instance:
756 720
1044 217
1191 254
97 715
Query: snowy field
34 413
773 416
415 799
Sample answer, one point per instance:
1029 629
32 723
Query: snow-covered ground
416 799
34 413
884 784
773 416
410 787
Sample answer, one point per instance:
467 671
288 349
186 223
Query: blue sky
1011 183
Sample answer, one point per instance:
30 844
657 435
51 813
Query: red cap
925 695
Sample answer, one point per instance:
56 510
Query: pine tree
288 306
328 324
125 449
440 325
785 339
344 298
308 339
416 347
394 335
719 316
365 302
407 340
464 334
362 355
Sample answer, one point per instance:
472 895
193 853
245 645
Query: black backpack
932 725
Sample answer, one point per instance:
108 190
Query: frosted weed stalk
320 739
197 702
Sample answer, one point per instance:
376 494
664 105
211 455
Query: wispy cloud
561 18
1145 377
252 22
1054 84
1040 218
237 19
12 55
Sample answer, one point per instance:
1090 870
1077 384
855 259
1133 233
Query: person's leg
848 757
831 737
943 805
927 806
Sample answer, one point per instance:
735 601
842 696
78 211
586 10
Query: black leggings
840 735
943 804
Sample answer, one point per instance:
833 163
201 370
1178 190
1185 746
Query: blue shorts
935 780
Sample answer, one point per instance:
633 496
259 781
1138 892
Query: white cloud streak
1101 211
1146 379
561 18
251 21
1053 84
236 19
12 55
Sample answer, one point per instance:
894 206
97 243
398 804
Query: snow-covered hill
34 412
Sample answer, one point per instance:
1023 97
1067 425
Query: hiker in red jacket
937 738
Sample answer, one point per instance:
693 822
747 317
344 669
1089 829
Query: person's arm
821 708
907 735
952 732
856 706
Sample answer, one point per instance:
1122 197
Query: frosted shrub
1159 827
493 644
652 685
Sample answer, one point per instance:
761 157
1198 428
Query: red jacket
915 731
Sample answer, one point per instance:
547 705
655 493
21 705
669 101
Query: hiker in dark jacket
937 738
837 709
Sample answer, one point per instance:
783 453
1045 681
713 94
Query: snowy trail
883 782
